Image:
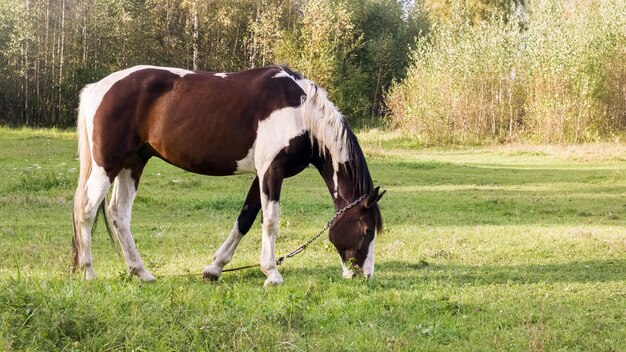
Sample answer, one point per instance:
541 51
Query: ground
493 248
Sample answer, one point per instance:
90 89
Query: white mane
335 141
325 123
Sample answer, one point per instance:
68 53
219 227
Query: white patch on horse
282 73
274 133
179 71
220 74
268 241
96 188
368 265
120 209
347 272
246 165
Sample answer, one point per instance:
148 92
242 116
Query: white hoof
90 274
273 278
273 281
143 275
348 274
147 277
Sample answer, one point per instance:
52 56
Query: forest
439 71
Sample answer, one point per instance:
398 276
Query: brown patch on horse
122 113
174 114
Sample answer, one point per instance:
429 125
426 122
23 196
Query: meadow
497 248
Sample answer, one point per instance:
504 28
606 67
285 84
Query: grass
486 249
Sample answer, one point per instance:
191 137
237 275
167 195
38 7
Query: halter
302 247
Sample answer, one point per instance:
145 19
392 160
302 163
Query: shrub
552 73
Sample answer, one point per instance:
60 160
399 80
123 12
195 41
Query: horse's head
353 234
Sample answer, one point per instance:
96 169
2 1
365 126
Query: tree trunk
26 72
375 103
254 53
84 34
61 62
195 34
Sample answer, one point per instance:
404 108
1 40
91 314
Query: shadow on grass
405 275
573 272
398 274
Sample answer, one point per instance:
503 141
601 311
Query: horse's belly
213 165
203 143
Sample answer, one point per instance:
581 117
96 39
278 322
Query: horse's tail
80 198
84 159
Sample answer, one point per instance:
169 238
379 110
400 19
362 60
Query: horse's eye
369 232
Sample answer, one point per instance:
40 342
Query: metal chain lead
300 249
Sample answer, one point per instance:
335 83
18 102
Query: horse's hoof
143 274
210 276
148 278
273 282
90 274
211 273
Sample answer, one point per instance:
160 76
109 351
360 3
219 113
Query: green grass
486 249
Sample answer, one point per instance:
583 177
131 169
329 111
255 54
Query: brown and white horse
268 121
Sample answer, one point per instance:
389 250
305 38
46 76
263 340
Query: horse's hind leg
243 224
120 207
86 205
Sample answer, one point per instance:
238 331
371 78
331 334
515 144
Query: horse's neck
347 177
339 182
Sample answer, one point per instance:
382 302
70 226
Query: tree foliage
552 72
444 71
49 49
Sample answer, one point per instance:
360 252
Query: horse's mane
329 128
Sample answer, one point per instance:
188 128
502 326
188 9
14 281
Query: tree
50 49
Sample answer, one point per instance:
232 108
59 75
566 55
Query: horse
271 122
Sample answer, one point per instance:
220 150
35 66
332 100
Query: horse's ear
374 197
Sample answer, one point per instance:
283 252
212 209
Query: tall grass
553 72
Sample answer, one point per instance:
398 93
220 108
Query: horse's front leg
244 222
271 183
